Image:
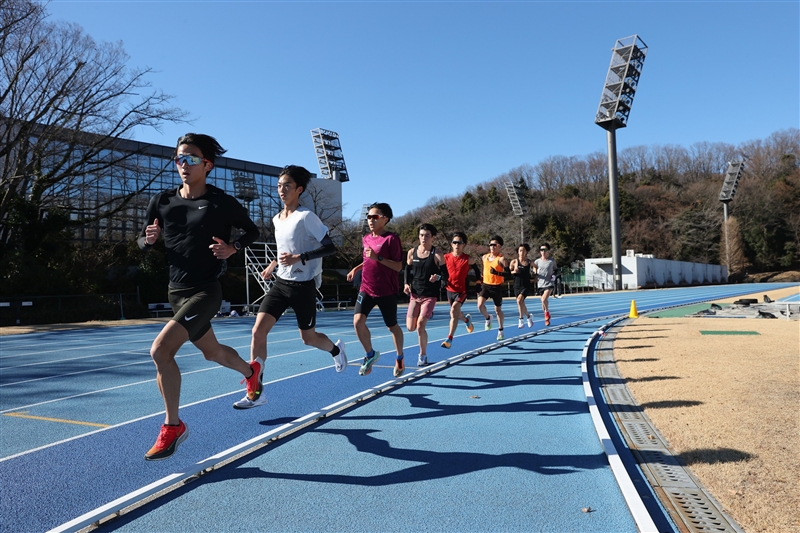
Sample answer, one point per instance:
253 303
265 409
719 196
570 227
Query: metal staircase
257 257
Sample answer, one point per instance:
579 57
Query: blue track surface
498 442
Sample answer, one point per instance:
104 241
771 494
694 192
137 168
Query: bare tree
732 249
65 103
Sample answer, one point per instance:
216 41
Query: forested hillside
669 205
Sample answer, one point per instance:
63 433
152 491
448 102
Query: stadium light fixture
329 155
627 60
517 206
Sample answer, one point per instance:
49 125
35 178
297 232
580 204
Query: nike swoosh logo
310 322
188 318
202 207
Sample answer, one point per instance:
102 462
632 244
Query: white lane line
644 522
76 437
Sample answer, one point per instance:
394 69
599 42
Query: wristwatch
237 245
380 258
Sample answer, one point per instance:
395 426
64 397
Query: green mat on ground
680 312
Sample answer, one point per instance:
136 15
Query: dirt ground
727 404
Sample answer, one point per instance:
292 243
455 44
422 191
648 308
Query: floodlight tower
734 172
627 60
329 155
518 207
246 190
244 187
364 224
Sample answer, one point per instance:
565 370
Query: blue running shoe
366 366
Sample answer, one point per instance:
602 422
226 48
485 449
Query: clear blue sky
430 98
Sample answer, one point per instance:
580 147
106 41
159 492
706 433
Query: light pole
627 60
518 207
246 189
729 185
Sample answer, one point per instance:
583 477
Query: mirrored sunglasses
188 159
374 217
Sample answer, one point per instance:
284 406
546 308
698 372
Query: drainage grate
698 511
692 509
641 434
663 469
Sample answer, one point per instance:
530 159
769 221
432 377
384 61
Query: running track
500 441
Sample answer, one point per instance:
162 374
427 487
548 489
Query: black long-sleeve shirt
188 227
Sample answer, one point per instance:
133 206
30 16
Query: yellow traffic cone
634 313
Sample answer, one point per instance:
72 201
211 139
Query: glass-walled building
149 168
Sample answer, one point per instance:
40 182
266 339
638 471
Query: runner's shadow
665 404
714 455
489 384
508 361
428 465
434 409
637 347
516 348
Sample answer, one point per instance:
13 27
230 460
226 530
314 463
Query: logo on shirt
202 207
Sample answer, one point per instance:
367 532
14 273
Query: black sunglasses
457 242
493 244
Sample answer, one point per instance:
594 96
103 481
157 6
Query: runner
559 285
457 264
520 268
196 220
302 241
544 268
423 279
494 264
383 260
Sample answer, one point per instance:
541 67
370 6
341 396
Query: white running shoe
422 360
488 325
530 321
521 323
500 335
340 361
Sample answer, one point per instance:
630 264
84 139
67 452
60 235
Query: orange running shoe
255 389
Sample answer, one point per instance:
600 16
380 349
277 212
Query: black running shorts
299 295
193 308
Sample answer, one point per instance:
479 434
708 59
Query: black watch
237 245
380 258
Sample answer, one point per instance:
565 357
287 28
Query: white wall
641 272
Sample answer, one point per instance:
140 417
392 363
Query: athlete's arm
443 273
150 232
352 273
327 248
243 222
397 266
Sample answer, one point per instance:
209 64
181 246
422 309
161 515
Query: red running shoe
167 442
547 319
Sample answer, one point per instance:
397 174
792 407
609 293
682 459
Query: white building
641 271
